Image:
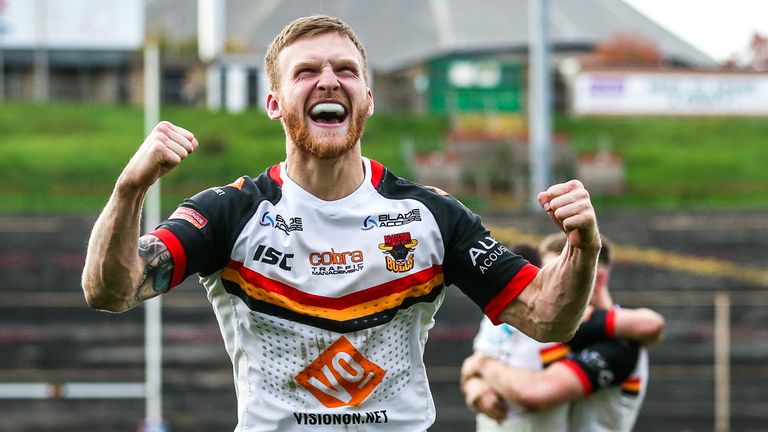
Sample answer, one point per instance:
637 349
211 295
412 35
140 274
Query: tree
754 57
625 49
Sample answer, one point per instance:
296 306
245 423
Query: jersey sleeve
201 231
481 266
603 364
597 328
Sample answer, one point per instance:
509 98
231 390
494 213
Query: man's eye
349 70
305 71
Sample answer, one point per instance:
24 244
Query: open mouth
328 113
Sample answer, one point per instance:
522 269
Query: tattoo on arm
158 268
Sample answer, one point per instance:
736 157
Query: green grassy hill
65 158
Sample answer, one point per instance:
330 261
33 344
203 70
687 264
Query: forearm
508 382
532 390
565 291
642 325
113 269
550 308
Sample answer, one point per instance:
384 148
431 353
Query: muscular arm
642 325
551 307
532 390
122 270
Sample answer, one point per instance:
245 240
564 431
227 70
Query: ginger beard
327 143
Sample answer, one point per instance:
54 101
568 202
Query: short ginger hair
307 27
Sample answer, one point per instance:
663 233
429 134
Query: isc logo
341 376
272 256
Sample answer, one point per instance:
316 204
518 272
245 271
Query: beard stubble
323 145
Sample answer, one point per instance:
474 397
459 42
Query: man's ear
370 103
274 110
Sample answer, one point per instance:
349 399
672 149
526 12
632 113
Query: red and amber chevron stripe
632 386
551 354
359 304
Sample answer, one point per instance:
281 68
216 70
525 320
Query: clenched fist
569 207
164 148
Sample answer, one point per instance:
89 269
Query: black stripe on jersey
347 326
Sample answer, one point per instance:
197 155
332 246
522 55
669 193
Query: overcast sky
719 28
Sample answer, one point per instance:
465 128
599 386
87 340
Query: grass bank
65 158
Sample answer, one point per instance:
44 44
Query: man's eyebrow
304 64
345 61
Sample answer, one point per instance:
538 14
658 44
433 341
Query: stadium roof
400 33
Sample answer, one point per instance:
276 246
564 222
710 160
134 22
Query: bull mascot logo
399 250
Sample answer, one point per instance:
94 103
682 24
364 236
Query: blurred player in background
518 384
325 272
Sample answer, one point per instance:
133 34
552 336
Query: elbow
101 299
653 328
556 336
555 331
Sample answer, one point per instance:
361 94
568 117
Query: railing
714 329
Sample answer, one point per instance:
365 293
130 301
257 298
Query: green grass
65 158
682 162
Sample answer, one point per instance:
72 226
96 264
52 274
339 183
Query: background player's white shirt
614 408
511 346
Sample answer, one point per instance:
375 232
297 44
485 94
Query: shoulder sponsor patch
191 216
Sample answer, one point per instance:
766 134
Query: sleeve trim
510 292
580 374
610 323
377 173
177 253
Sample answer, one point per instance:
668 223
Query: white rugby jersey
514 348
324 306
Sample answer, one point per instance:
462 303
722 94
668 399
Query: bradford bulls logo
399 249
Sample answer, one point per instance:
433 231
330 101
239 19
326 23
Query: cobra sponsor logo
388 220
336 263
486 252
278 222
399 250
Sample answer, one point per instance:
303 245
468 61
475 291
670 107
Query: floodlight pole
539 100
153 344
41 66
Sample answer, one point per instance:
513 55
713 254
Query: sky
719 28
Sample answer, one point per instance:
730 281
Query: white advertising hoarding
72 24
670 93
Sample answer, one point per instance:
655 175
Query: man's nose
328 80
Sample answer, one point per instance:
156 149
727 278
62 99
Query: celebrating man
325 271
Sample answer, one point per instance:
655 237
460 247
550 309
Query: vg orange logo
341 376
